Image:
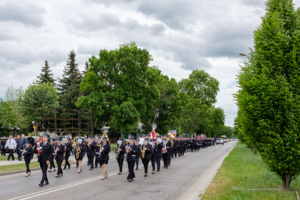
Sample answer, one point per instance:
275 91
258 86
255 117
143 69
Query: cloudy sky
182 35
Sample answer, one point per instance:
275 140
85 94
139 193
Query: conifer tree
46 76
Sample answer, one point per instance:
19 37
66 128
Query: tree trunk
286 181
14 132
36 128
122 135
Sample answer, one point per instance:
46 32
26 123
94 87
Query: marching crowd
97 149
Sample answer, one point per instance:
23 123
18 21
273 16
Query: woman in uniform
148 152
120 150
28 154
60 150
104 156
79 153
131 150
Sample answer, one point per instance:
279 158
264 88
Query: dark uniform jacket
29 153
46 153
105 153
60 152
148 152
131 155
68 148
154 151
122 147
92 149
30 140
159 148
3 142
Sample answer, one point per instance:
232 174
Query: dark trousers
120 163
137 161
166 158
146 163
27 163
131 174
52 164
153 160
44 168
11 154
97 160
59 170
18 153
175 153
128 163
3 152
158 158
92 160
89 160
67 160
76 160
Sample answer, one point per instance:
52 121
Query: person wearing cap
28 154
139 154
159 144
154 154
131 151
68 147
148 151
11 145
53 144
45 152
97 156
22 142
166 151
91 151
104 156
60 150
120 150
79 153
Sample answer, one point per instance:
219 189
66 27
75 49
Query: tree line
118 88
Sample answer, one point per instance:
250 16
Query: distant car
220 141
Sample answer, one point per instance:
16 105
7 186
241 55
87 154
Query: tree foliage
270 90
46 76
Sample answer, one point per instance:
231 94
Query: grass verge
243 175
18 167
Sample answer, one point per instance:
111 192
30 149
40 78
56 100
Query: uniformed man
154 154
160 146
53 145
3 143
68 147
166 151
138 154
97 155
45 152
92 151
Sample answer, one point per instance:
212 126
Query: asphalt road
173 183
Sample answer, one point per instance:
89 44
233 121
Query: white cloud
181 36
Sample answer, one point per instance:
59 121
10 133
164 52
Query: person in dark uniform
159 144
28 154
3 143
60 150
120 150
68 147
166 151
104 156
45 152
92 151
53 144
97 154
154 154
148 151
139 153
131 158
30 140
79 153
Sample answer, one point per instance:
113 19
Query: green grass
3 158
18 167
243 175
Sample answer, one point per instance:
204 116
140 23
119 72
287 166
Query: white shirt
11 144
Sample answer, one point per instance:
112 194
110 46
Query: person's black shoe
136 168
88 164
158 170
57 176
46 183
96 166
166 167
91 168
41 184
69 167
61 175
64 168
54 170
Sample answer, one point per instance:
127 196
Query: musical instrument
171 137
78 152
118 152
144 151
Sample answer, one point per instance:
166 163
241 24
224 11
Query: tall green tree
36 100
46 76
269 95
12 98
7 115
118 81
69 91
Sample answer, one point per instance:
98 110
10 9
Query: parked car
220 141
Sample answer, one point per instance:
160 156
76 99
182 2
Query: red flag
153 136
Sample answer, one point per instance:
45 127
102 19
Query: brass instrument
78 152
171 137
144 151
118 152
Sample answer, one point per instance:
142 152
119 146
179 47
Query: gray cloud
28 14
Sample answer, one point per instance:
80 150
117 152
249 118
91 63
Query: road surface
182 180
